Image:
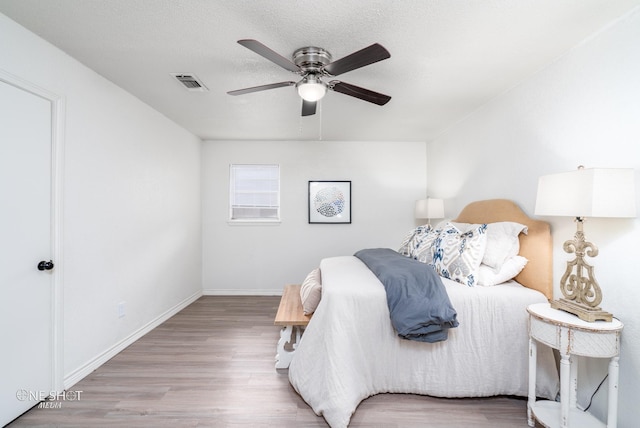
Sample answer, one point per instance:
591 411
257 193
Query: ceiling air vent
190 82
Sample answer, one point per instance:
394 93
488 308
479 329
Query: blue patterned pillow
458 255
424 246
419 244
411 241
406 242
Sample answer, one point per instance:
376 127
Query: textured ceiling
448 57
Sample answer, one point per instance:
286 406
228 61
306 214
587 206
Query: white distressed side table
571 336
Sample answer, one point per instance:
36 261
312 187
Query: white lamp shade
429 208
311 91
311 88
591 192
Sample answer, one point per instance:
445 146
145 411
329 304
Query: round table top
545 312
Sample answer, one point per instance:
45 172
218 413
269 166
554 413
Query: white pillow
311 292
502 241
458 254
488 276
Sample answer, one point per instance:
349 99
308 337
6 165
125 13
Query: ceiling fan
314 64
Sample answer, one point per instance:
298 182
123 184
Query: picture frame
329 202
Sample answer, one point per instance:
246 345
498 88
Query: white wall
386 178
131 208
583 109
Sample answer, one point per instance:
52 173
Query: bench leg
289 334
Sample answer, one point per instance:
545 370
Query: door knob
45 265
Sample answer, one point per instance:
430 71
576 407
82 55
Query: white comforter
350 351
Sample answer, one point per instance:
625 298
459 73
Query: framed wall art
329 202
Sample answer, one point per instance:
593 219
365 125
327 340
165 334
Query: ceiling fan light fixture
311 88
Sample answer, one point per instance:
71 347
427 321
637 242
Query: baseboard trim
80 373
237 292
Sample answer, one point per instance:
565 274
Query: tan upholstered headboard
536 246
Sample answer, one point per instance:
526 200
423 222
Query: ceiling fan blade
358 92
269 54
366 56
260 88
308 107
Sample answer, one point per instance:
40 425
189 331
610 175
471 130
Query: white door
26 369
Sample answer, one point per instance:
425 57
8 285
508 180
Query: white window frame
258 194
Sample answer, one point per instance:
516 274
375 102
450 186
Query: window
254 193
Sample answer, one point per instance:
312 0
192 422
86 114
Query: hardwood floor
212 365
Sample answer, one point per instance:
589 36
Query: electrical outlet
121 309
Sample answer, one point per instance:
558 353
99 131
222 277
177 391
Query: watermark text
48 399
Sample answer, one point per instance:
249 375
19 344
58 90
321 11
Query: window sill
253 222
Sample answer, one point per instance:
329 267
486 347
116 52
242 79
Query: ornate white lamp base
585 313
578 285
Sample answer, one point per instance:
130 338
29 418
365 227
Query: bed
351 351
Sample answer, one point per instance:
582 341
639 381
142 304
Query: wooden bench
292 319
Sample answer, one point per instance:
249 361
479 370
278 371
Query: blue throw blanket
418 303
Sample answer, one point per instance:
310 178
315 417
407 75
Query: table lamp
429 208
586 192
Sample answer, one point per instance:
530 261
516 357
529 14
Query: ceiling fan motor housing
311 59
